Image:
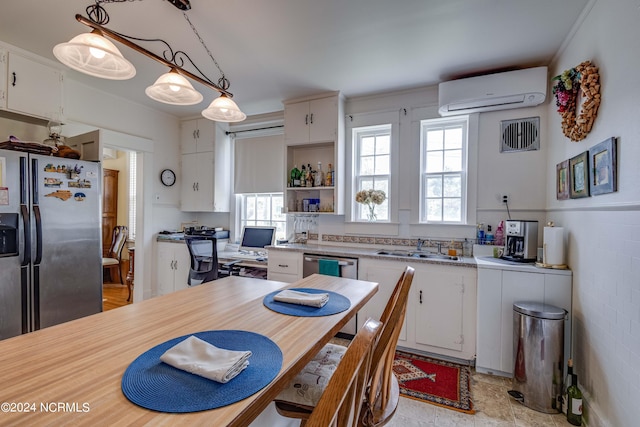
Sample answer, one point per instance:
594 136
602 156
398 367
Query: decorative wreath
583 78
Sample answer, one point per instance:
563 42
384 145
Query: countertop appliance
50 241
521 241
348 269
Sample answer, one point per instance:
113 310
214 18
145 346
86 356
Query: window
263 209
443 174
132 195
372 167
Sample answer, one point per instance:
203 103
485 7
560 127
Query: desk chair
204 259
204 268
114 256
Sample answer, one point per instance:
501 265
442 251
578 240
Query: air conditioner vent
520 135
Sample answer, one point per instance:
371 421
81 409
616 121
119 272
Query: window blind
259 165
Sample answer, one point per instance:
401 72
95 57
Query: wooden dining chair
113 258
340 403
301 396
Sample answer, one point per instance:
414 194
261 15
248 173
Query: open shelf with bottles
328 197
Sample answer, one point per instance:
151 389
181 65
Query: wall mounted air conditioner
499 91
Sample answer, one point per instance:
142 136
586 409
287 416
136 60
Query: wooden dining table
71 374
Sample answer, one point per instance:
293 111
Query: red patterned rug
434 381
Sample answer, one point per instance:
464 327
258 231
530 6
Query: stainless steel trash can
538 349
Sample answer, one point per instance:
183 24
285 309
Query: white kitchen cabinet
314 132
284 266
441 311
206 175
498 290
197 136
386 274
172 267
315 120
30 87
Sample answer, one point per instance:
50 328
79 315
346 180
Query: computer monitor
256 237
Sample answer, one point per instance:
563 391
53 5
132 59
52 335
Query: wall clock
168 177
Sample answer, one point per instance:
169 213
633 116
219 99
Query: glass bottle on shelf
574 402
309 175
303 176
295 177
318 179
328 177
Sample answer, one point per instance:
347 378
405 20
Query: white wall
520 175
155 136
604 230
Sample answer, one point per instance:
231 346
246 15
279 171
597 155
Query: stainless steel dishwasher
348 270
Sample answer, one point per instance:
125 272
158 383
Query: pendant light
91 53
172 88
223 109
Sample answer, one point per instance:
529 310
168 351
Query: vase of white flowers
371 198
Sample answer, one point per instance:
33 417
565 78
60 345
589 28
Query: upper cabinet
316 120
314 133
30 87
197 136
206 167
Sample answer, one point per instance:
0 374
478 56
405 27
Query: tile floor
494 407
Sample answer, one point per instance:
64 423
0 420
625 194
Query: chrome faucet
439 245
419 245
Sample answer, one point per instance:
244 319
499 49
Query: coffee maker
521 241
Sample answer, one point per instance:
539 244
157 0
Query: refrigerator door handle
36 213
26 226
36 210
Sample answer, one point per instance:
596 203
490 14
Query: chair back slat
379 393
340 403
118 240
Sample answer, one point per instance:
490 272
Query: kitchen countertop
469 262
364 252
500 264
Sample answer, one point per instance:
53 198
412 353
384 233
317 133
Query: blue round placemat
336 304
153 384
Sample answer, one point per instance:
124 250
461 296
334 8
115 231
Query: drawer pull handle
420 297
283 265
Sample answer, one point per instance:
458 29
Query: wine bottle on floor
566 385
574 402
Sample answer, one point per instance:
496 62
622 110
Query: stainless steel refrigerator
50 241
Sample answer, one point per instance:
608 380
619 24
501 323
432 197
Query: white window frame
357 134
277 220
443 123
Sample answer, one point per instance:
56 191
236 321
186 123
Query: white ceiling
272 50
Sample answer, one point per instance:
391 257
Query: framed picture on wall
562 180
602 173
579 176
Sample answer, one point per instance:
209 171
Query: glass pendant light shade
223 109
172 88
91 53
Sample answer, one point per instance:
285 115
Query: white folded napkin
201 358
302 298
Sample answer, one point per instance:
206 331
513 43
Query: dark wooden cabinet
109 206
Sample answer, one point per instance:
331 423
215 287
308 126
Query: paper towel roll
553 246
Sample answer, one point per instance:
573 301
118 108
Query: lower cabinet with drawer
284 266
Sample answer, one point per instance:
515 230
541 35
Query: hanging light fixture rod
122 39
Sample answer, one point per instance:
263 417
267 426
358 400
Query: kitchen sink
418 254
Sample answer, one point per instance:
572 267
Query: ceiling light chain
223 81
